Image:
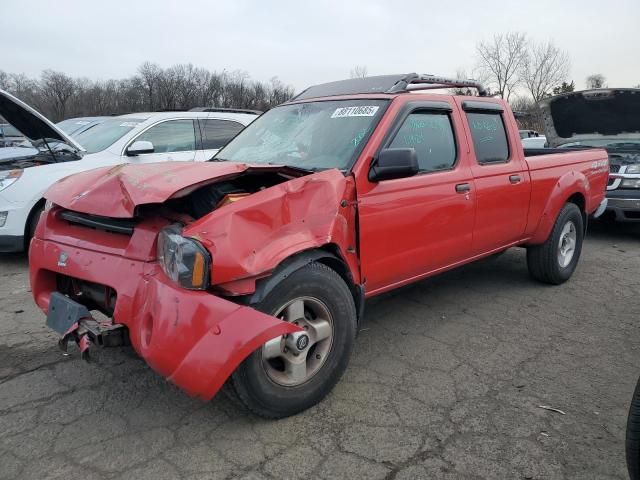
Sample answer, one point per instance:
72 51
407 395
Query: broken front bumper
193 338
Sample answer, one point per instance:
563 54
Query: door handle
514 178
463 188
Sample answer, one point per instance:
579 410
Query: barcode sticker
363 111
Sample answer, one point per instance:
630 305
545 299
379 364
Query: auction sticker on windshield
363 111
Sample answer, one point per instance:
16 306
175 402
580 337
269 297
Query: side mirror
394 163
139 147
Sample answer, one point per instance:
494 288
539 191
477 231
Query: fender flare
568 185
300 260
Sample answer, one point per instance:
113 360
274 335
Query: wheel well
27 226
328 255
578 200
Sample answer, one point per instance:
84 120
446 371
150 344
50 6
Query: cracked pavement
445 382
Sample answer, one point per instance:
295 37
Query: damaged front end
167 257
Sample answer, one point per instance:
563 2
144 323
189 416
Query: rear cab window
489 136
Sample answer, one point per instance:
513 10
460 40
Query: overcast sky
309 42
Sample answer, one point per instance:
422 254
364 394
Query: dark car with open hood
602 118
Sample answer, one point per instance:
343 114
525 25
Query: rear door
500 174
173 140
216 133
412 226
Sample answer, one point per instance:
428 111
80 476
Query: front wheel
291 373
556 259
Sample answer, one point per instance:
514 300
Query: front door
412 226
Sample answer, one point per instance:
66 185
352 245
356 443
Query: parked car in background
10 136
534 142
528 134
74 126
253 269
136 138
602 118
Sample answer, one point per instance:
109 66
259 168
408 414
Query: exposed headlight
8 177
184 260
633 168
630 183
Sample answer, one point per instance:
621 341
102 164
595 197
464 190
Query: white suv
25 173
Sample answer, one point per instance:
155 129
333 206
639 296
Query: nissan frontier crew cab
251 271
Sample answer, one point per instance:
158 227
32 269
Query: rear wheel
556 259
291 373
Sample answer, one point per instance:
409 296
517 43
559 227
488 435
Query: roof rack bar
413 81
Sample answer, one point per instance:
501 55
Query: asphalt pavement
448 380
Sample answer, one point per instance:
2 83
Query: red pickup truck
253 269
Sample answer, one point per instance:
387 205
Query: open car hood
32 124
592 114
117 191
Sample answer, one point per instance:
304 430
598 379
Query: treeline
184 86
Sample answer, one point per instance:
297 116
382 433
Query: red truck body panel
387 233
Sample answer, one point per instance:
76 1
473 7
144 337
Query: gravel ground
445 382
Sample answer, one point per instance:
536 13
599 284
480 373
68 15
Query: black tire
543 261
34 217
632 444
251 383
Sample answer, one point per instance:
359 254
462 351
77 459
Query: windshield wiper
217 159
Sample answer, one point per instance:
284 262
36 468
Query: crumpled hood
117 191
592 114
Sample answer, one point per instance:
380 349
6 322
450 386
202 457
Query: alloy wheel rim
291 360
567 244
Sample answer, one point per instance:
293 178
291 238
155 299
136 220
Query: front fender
197 339
248 239
569 184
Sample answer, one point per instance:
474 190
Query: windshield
313 135
604 142
72 125
106 134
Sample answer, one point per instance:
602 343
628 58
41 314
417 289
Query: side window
431 134
217 133
171 136
489 137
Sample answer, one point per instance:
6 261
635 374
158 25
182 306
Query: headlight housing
184 260
633 168
8 177
630 183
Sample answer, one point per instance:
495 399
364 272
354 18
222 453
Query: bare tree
596 80
181 86
150 74
5 80
359 71
564 88
57 88
544 68
500 61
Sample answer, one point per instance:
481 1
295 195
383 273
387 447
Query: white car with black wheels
26 173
